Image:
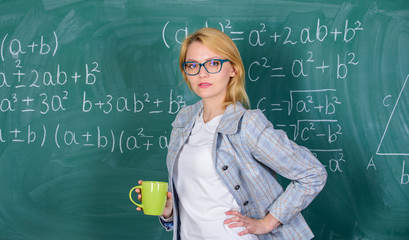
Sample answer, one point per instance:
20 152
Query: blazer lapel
182 125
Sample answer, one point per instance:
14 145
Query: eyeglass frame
203 64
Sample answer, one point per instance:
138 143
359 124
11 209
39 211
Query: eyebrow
192 60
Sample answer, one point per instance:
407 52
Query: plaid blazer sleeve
273 148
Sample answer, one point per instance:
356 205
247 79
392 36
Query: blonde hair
220 43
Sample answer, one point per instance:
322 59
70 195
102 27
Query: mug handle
130 196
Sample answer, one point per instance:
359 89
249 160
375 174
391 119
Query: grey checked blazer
248 153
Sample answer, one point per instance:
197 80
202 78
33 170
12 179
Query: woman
222 158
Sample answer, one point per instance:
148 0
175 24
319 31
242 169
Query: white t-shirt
204 198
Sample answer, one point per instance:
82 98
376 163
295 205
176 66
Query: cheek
229 76
190 81
225 81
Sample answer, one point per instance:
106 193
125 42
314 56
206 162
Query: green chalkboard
88 90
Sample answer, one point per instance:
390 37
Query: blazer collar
228 124
231 117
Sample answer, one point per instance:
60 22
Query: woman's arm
273 148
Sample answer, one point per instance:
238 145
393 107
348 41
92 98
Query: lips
204 85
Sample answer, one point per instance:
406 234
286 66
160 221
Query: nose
203 72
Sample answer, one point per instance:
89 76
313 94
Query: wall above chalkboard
88 90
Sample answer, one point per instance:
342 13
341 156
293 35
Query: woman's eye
191 65
215 63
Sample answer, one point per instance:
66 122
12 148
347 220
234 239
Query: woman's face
210 87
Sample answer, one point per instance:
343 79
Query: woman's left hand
251 225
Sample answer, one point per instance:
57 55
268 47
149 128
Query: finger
244 232
137 190
139 197
169 195
140 182
232 212
231 220
138 209
236 224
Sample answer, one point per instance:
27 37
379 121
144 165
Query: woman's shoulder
186 114
255 117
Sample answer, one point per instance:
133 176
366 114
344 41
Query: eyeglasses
212 66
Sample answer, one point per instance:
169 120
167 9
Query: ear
233 72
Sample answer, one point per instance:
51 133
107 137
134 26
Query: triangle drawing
395 138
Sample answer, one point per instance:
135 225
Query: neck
212 110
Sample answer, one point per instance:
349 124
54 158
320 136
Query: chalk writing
405 176
134 103
262 35
14 47
298 67
56 77
392 152
321 101
63 136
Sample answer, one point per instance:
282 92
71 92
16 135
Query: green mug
154 195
